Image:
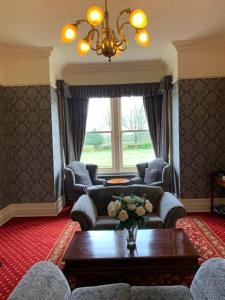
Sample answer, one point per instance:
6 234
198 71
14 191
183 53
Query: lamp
105 41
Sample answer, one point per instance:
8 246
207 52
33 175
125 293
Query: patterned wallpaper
3 151
201 134
57 157
29 136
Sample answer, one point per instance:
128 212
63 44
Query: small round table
117 181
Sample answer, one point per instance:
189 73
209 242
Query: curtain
74 116
114 90
153 110
157 113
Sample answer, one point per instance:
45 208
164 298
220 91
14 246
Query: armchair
80 178
154 173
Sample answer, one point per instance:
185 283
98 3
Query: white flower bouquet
130 210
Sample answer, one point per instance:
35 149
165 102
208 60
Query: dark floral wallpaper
29 144
201 134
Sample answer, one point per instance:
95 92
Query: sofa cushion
118 291
153 222
151 176
83 178
105 222
177 292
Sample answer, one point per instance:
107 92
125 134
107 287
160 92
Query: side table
217 179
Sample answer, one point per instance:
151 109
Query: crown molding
115 67
200 44
25 51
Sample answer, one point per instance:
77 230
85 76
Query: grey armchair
159 174
91 210
75 189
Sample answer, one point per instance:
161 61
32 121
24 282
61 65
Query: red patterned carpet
25 241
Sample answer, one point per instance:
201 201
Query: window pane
97 149
137 147
133 114
99 118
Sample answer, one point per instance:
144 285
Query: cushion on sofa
118 291
83 178
151 176
177 292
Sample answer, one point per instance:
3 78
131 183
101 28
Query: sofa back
104 195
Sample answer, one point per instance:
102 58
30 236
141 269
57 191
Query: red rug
25 241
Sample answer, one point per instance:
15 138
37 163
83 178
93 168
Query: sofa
91 210
154 173
45 281
80 178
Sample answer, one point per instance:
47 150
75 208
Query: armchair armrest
79 188
170 210
157 183
43 281
99 181
84 211
136 180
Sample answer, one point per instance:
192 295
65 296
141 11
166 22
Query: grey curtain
153 110
74 117
157 113
114 90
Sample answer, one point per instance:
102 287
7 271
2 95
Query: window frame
116 139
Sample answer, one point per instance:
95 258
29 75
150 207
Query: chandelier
105 41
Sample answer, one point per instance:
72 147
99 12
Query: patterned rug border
56 254
209 244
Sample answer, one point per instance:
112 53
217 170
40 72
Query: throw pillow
151 176
83 178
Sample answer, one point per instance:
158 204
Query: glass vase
131 235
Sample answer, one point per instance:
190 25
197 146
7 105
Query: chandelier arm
91 38
78 22
123 37
125 11
124 48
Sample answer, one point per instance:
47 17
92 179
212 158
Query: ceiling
38 23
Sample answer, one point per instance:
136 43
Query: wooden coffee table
104 255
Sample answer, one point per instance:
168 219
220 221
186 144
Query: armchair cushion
83 178
151 176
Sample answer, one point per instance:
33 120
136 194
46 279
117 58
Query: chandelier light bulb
95 15
83 47
142 37
138 19
69 33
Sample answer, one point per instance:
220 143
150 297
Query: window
117 136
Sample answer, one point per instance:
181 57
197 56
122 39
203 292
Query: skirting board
31 210
200 205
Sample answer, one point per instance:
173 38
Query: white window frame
116 140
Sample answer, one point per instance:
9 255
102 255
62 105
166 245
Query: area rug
24 241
